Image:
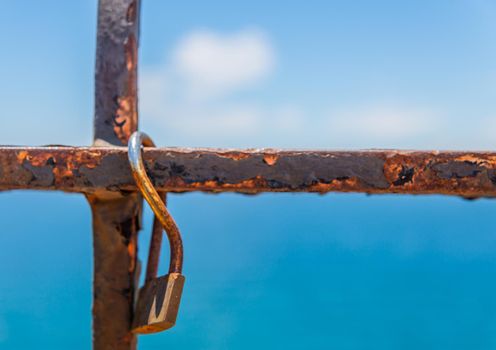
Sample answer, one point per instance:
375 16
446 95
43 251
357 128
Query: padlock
158 300
158 304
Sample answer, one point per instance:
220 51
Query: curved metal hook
154 200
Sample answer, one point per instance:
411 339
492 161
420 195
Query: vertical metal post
116 216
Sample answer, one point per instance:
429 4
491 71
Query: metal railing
102 173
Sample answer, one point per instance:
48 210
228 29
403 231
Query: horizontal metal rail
93 169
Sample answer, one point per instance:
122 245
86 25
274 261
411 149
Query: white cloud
385 121
206 69
484 132
197 122
384 125
200 96
196 99
213 63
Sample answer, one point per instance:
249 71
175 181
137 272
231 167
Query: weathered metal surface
154 199
155 248
116 101
158 301
158 304
115 224
90 170
116 215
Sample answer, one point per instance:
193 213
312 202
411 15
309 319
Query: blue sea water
274 271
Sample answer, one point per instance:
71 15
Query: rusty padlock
158 300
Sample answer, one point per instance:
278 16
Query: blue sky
360 74
380 272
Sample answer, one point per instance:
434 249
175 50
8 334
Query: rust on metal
64 167
235 155
158 300
155 245
116 104
154 199
116 214
115 223
270 159
92 169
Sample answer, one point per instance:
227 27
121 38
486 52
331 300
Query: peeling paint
270 159
234 155
90 170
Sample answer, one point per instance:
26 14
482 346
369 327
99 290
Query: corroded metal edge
94 169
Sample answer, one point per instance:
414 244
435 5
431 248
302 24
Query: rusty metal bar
155 247
90 170
116 116
116 215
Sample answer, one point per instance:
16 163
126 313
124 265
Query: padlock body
158 304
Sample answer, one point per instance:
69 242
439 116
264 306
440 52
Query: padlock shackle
155 245
153 198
